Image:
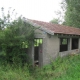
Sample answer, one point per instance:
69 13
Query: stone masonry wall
51 47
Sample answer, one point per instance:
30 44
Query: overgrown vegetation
15 35
67 68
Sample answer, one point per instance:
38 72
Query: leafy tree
14 34
55 21
72 15
59 18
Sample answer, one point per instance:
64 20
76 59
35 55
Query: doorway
37 51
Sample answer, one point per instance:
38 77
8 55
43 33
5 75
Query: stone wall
51 47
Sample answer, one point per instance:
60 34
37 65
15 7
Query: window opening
63 44
75 42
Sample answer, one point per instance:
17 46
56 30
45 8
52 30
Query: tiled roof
56 28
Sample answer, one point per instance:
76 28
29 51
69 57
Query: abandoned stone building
53 40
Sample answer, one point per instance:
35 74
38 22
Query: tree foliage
72 15
55 21
15 35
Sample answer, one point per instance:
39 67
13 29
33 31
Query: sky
43 10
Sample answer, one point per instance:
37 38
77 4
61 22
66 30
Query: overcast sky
43 10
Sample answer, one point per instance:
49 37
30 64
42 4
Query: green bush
66 68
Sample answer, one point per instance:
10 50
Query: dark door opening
37 51
36 55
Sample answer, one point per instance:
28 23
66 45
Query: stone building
53 40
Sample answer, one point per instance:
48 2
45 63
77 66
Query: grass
67 68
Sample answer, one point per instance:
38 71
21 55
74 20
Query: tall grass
67 68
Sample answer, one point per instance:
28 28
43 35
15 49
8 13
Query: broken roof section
54 28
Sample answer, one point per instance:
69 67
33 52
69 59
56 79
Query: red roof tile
56 28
